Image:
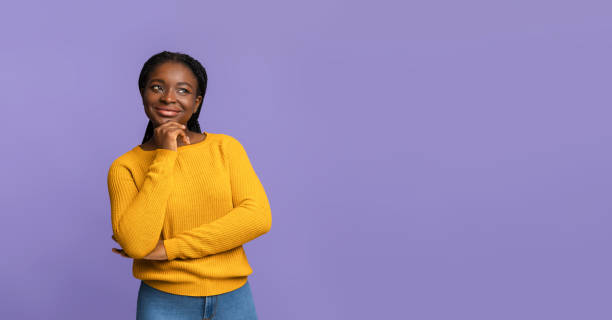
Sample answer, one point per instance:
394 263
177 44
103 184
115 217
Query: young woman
184 202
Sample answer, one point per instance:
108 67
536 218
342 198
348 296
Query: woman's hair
198 71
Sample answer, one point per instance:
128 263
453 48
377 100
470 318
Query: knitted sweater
204 200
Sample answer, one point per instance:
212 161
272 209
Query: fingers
169 132
180 132
120 252
184 136
171 124
170 128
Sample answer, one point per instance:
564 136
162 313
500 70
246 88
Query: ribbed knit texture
204 199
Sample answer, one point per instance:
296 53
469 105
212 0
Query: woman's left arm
250 218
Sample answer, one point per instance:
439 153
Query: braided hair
198 71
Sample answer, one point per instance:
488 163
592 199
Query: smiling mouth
166 112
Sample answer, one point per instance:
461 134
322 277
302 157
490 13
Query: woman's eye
155 87
183 90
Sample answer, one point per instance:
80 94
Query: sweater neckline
183 147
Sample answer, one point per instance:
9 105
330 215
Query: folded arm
137 216
250 218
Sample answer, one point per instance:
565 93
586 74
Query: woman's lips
166 112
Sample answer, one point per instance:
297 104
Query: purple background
423 159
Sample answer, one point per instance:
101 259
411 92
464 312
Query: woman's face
170 93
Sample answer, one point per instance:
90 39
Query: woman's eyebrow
185 83
179 83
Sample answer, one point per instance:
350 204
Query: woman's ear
197 102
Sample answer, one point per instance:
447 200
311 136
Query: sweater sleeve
250 217
137 214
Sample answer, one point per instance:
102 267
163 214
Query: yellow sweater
204 199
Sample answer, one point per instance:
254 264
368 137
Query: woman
184 202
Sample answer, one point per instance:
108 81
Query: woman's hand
166 134
159 253
119 251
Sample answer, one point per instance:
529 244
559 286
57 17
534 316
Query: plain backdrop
423 159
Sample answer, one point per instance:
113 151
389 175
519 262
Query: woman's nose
168 96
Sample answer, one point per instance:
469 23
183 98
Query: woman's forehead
172 71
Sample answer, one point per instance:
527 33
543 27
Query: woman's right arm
137 216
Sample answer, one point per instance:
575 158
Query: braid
198 70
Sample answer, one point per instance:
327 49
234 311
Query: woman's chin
162 120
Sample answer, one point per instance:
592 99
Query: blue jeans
154 304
